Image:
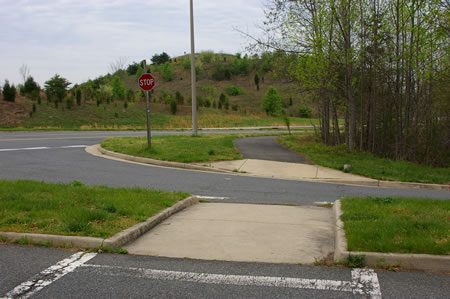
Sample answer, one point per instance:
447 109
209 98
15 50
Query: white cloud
79 39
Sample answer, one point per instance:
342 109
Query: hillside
217 74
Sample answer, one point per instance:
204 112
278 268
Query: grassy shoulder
75 209
364 163
400 225
179 148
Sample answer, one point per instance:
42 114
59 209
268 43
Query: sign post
146 83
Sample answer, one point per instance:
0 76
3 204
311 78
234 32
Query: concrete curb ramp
361 181
116 241
425 262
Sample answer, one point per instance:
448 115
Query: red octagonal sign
146 82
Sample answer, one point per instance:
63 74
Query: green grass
178 148
401 225
364 163
75 209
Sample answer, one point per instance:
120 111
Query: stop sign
146 82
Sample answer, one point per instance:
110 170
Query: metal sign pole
193 79
149 132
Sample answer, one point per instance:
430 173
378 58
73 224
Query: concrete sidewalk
293 171
242 232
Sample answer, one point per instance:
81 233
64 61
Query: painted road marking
364 281
211 197
56 138
39 148
49 275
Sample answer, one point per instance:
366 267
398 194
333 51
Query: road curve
60 157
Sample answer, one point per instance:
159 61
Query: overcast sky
79 39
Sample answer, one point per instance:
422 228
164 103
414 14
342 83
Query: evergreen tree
256 81
56 88
272 102
9 92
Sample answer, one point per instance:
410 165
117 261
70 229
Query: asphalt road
120 276
52 157
60 157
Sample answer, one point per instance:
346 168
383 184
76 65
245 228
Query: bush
187 62
272 102
235 107
69 103
221 72
208 102
9 92
167 71
133 68
78 96
130 95
33 109
173 107
160 59
223 99
206 56
256 79
30 86
125 104
119 90
234 90
179 98
305 112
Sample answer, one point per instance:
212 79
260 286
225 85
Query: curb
116 241
132 233
424 262
157 162
370 183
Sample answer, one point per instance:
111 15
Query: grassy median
180 148
400 225
75 209
364 163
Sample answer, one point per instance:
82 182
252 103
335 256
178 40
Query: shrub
223 99
167 71
305 112
272 102
125 104
9 92
30 86
33 109
208 102
78 96
206 56
235 107
119 90
130 95
256 81
160 59
173 107
187 62
133 68
69 103
179 98
234 90
221 72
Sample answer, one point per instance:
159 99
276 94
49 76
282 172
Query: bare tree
24 71
119 64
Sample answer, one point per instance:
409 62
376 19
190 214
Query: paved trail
266 148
